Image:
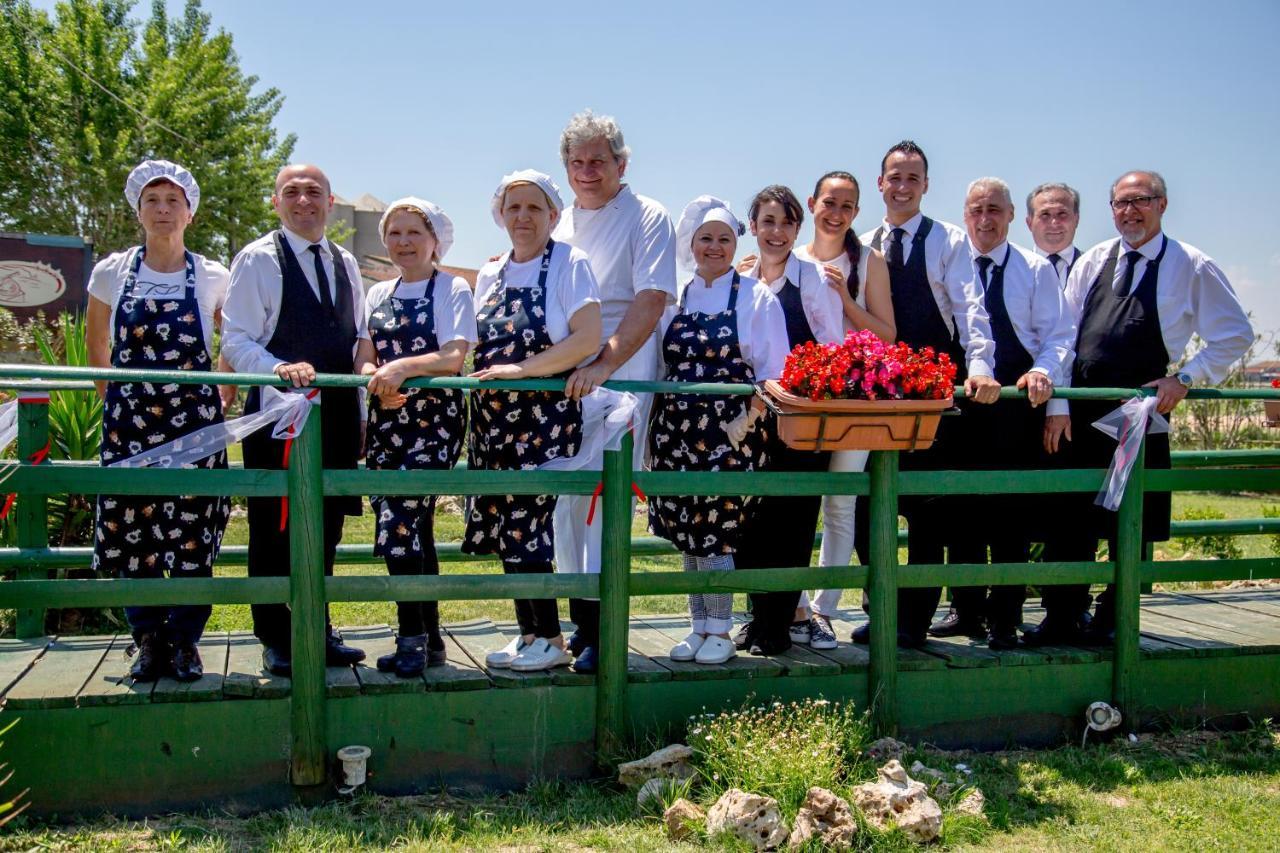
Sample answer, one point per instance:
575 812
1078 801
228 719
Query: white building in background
360 218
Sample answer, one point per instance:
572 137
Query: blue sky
724 98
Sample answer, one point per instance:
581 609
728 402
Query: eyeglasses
1142 202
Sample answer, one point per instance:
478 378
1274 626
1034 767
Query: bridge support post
308 753
1128 590
31 510
615 601
882 683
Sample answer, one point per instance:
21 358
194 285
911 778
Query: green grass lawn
1184 791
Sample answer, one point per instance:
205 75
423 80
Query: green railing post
1128 589
615 601
882 683
306 601
32 510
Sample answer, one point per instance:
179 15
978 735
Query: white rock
681 818
670 762
749 817
826 816
898 800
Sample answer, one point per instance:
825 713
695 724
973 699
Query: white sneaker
820 634
502 658
715 650
540 655
799 632
687 649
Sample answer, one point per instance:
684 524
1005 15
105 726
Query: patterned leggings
712 612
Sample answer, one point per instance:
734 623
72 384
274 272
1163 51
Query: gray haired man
1053 214
631 246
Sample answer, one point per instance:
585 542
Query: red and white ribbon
1135 418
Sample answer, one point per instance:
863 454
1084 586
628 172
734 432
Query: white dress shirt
1065 259
955 289
631 245
762 328
1193 296
570 285
454 314
1036 307
106 284
254 298
822 306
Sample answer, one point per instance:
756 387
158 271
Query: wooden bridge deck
89 671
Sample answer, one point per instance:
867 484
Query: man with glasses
1137 299
1053 214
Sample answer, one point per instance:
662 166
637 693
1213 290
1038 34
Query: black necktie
1131 259
895 247
322 280
984 264
1053 259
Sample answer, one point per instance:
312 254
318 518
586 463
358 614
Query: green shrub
1217 546
1273 511
778 749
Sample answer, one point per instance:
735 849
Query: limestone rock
898 800
973 804
826 816
650 790
749 817
679 818
670 762
885 748
918 770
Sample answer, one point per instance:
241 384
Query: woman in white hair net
155 307
421 323
729 328
537 314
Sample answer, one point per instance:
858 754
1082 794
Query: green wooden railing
307 589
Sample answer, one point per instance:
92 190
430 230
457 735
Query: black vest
1012 358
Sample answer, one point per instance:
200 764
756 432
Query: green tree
90 92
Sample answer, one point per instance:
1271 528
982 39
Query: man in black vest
1033 336
1138 299
295 308
936 304
1053 214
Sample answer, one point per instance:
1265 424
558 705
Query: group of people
588 292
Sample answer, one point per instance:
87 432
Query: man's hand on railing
1169 393
299 374
1038 386
1055 427
982 389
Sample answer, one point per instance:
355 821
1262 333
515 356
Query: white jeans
837 533
577 544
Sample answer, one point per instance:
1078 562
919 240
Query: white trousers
837 533
577 543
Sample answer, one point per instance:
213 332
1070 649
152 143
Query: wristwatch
1184 378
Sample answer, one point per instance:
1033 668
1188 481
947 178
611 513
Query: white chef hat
703 209
524 176
148 172
441 224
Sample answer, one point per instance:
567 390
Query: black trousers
779 535
418 617
1002 608
537 616
585 614
269 557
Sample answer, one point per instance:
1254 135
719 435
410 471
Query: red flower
866 368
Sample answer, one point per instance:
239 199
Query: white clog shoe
540 655
502 658
686 649
715 650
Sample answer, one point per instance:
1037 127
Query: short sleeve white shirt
570 285
454 314
762 328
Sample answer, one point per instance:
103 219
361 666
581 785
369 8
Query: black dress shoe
956 625
1002 639
1056 630
576 643
911 640
588 661
277 662
1101 631
151 659
436 655
768 646
338 654
744 635
187 665
862 634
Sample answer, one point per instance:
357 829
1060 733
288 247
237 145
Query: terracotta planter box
1272 410
854 424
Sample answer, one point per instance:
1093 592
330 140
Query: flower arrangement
864 367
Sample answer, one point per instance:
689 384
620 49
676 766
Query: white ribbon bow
8 424
1127 424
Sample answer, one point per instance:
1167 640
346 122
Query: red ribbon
36 458
591 510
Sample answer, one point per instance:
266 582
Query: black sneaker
743 637
277 662
956 625
187 665
150 660
436 654
336 653
1002 639
1056 630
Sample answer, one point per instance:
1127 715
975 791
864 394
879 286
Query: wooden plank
378 640
57 676
909 660
1266 602
207 688
17 656
1205 641
656 645
340 682
802 660
477 638
110 683
676 628
460 673
246 676
961 652
1265 625
1217 620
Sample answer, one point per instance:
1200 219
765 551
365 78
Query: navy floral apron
687 432
426 432
142 536
513 430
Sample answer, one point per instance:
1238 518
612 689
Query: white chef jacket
254 298
631 245
1036 307
570 285
454 314
951 277
106 284
823 307
762 328
1193 296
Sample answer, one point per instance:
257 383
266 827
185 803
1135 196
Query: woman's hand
386 380
500 371
835 279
